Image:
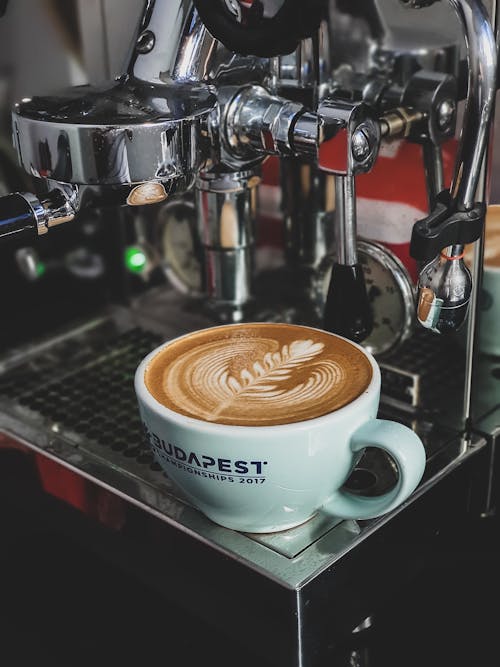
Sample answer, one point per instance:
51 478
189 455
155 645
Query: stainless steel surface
182 48
186 104
260 123
124 134
345 221
339 121
55 397
226 208
60 205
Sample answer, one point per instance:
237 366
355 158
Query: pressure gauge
177 241
390 291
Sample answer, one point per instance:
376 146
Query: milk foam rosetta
258 374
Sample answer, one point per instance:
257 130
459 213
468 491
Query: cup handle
408 452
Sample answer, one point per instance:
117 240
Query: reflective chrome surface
345 220
125 134
148 125
262 123
227 208
59 205
172 44
482 64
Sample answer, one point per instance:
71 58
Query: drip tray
72 398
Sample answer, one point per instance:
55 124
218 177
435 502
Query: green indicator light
40 269
135 259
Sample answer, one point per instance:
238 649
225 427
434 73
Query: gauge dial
390 291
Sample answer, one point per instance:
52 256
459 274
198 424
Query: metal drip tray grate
96 399
425 371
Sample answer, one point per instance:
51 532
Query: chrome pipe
173 44
482 64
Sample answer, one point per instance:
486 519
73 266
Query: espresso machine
243 167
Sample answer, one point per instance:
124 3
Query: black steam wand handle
347 309
3 7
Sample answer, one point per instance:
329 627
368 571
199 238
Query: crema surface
258 374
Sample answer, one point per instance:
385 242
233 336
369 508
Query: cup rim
144 395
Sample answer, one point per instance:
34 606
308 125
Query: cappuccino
258 374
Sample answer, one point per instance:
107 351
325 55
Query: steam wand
350 149
347 309
445 283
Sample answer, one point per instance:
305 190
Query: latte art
258 374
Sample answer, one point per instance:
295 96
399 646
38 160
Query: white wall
108 28
35 59
32 51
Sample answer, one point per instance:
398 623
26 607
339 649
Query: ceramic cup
262 479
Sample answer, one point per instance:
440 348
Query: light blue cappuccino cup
262 479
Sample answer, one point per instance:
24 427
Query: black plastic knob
347 309
444 227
